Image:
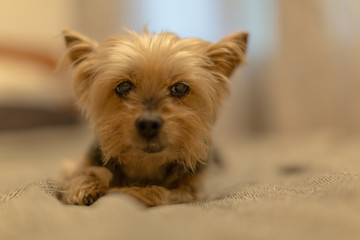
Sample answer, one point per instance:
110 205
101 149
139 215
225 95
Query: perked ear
228 53
78 46
78 49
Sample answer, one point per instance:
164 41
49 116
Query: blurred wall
98 19
314 82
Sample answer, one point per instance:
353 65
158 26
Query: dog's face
153 94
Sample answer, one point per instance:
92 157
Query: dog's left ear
228 53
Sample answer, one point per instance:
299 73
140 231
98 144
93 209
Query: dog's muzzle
149 126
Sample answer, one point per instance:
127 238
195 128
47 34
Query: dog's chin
153 147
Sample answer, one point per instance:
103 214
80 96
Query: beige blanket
306 187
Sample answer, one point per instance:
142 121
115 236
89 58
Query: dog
152 100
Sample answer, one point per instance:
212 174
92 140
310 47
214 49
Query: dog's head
153 94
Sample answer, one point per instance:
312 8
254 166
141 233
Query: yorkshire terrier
153 100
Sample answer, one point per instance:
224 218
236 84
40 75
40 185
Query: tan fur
88 182
153 63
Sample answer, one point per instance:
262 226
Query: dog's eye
124 88
179 90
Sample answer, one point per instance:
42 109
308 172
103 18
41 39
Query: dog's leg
157 195
86 185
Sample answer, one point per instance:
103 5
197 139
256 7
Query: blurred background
302 72
302 75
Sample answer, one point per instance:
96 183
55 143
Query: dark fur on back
169 172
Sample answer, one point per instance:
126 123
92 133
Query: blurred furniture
32 94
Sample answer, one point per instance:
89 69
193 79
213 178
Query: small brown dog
153 100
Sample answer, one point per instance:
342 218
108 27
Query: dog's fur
166 168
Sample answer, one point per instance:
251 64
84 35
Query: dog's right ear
78 46
78 49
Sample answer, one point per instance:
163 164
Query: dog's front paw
83 190
90 196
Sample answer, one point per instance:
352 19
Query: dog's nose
149 125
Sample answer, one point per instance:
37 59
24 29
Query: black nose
149 125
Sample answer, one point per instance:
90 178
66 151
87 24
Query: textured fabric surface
307 188
48 186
